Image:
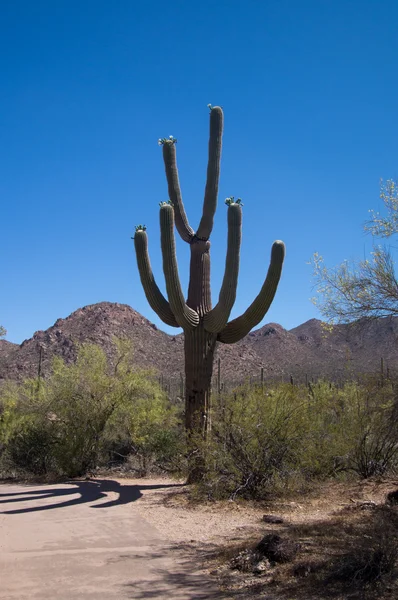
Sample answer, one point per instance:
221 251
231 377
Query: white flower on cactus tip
231 200
170 140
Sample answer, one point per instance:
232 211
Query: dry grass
348 538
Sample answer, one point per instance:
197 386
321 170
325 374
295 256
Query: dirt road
87 540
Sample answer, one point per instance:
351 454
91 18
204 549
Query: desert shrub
274 439
26 432
145 426
30 447
255 441
350 429
370 560
375 447
78 417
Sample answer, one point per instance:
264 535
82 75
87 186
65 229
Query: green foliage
265 441
355 290
254 438
262 441
379 225
70 423
2 331
362 289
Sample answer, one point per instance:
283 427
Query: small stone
245 560
368 505
272 519
261 566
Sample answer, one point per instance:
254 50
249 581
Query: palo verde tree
203 324
368 288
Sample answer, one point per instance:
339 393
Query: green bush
262 441
73 421
267 440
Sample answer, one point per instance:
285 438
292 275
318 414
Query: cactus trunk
199 346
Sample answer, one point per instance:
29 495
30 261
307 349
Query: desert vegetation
263 438
87 414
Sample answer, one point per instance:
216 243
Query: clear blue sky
310 95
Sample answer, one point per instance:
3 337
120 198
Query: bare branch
353 291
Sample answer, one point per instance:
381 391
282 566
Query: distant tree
2 331
367 288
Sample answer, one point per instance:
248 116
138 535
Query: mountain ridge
308 350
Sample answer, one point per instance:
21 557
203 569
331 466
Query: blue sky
309 90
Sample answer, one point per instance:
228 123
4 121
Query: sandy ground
50 532
210 532
87 540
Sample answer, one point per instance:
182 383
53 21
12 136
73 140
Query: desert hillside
304 352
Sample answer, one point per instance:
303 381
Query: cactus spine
203 325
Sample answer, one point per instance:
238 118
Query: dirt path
143 538
89 539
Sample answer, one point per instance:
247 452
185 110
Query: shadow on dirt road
88 492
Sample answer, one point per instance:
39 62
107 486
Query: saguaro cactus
203 325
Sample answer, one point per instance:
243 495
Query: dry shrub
282 438
353 556
372 560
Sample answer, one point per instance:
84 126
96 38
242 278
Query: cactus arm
213 173
216 319
186 317
236 329
181 220
154 296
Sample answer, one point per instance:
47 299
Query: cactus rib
155 298
217 318
236 329
186 317
213 173
170 162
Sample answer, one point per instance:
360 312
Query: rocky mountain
99 324
304 352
